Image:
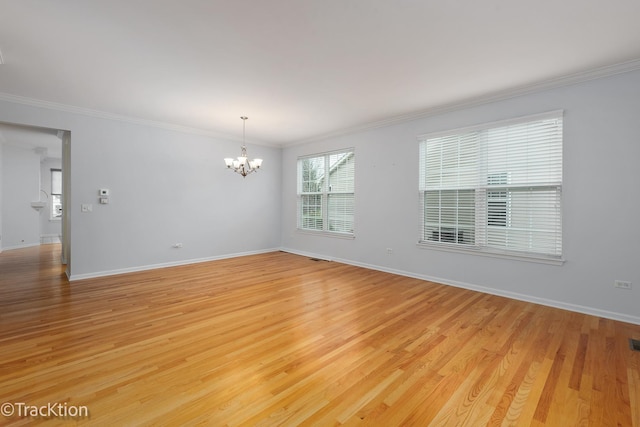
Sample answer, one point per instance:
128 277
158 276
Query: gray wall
1 192
20 187
167 186
601 231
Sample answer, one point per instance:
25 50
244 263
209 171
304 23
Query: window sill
326 234
541 259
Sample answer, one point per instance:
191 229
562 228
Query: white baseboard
73 277
49 238
25 245
512 295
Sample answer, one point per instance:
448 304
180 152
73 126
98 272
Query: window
56 194
326 195
495 188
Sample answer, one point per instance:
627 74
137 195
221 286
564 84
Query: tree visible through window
326 194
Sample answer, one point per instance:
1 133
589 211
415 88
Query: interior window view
326 192
56 194
319 213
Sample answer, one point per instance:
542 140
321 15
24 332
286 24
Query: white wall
20 187
600 196
166 187
1 185
48 227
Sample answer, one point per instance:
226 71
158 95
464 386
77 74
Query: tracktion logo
50 410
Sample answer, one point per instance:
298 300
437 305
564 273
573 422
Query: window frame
52 216
324 195
483 193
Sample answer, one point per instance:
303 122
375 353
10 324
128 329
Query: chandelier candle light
241 165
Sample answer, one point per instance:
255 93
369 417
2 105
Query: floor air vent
634 344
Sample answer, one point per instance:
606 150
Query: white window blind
495 187
326 192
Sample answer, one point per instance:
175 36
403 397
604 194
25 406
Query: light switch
87 207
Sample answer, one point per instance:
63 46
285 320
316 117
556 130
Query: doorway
34 187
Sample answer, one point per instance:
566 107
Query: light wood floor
278 339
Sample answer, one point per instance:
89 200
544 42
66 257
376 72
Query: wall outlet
85 207
389 251
177 245
622 284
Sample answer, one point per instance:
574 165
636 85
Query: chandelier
241 165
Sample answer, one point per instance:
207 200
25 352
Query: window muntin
326 192
494 188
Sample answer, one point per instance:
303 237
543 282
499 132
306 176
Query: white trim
555 114
512 295
553 83
567 80
74 277
307 254
451 247
26 245
351 150
323 233
46 239
127 119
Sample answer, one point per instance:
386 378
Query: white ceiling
299 69
45 141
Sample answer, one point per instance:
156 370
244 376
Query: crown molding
557 82
16 99
566 80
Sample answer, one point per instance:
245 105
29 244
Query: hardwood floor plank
278 339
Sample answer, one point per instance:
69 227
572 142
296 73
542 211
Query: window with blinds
326 192
494 188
